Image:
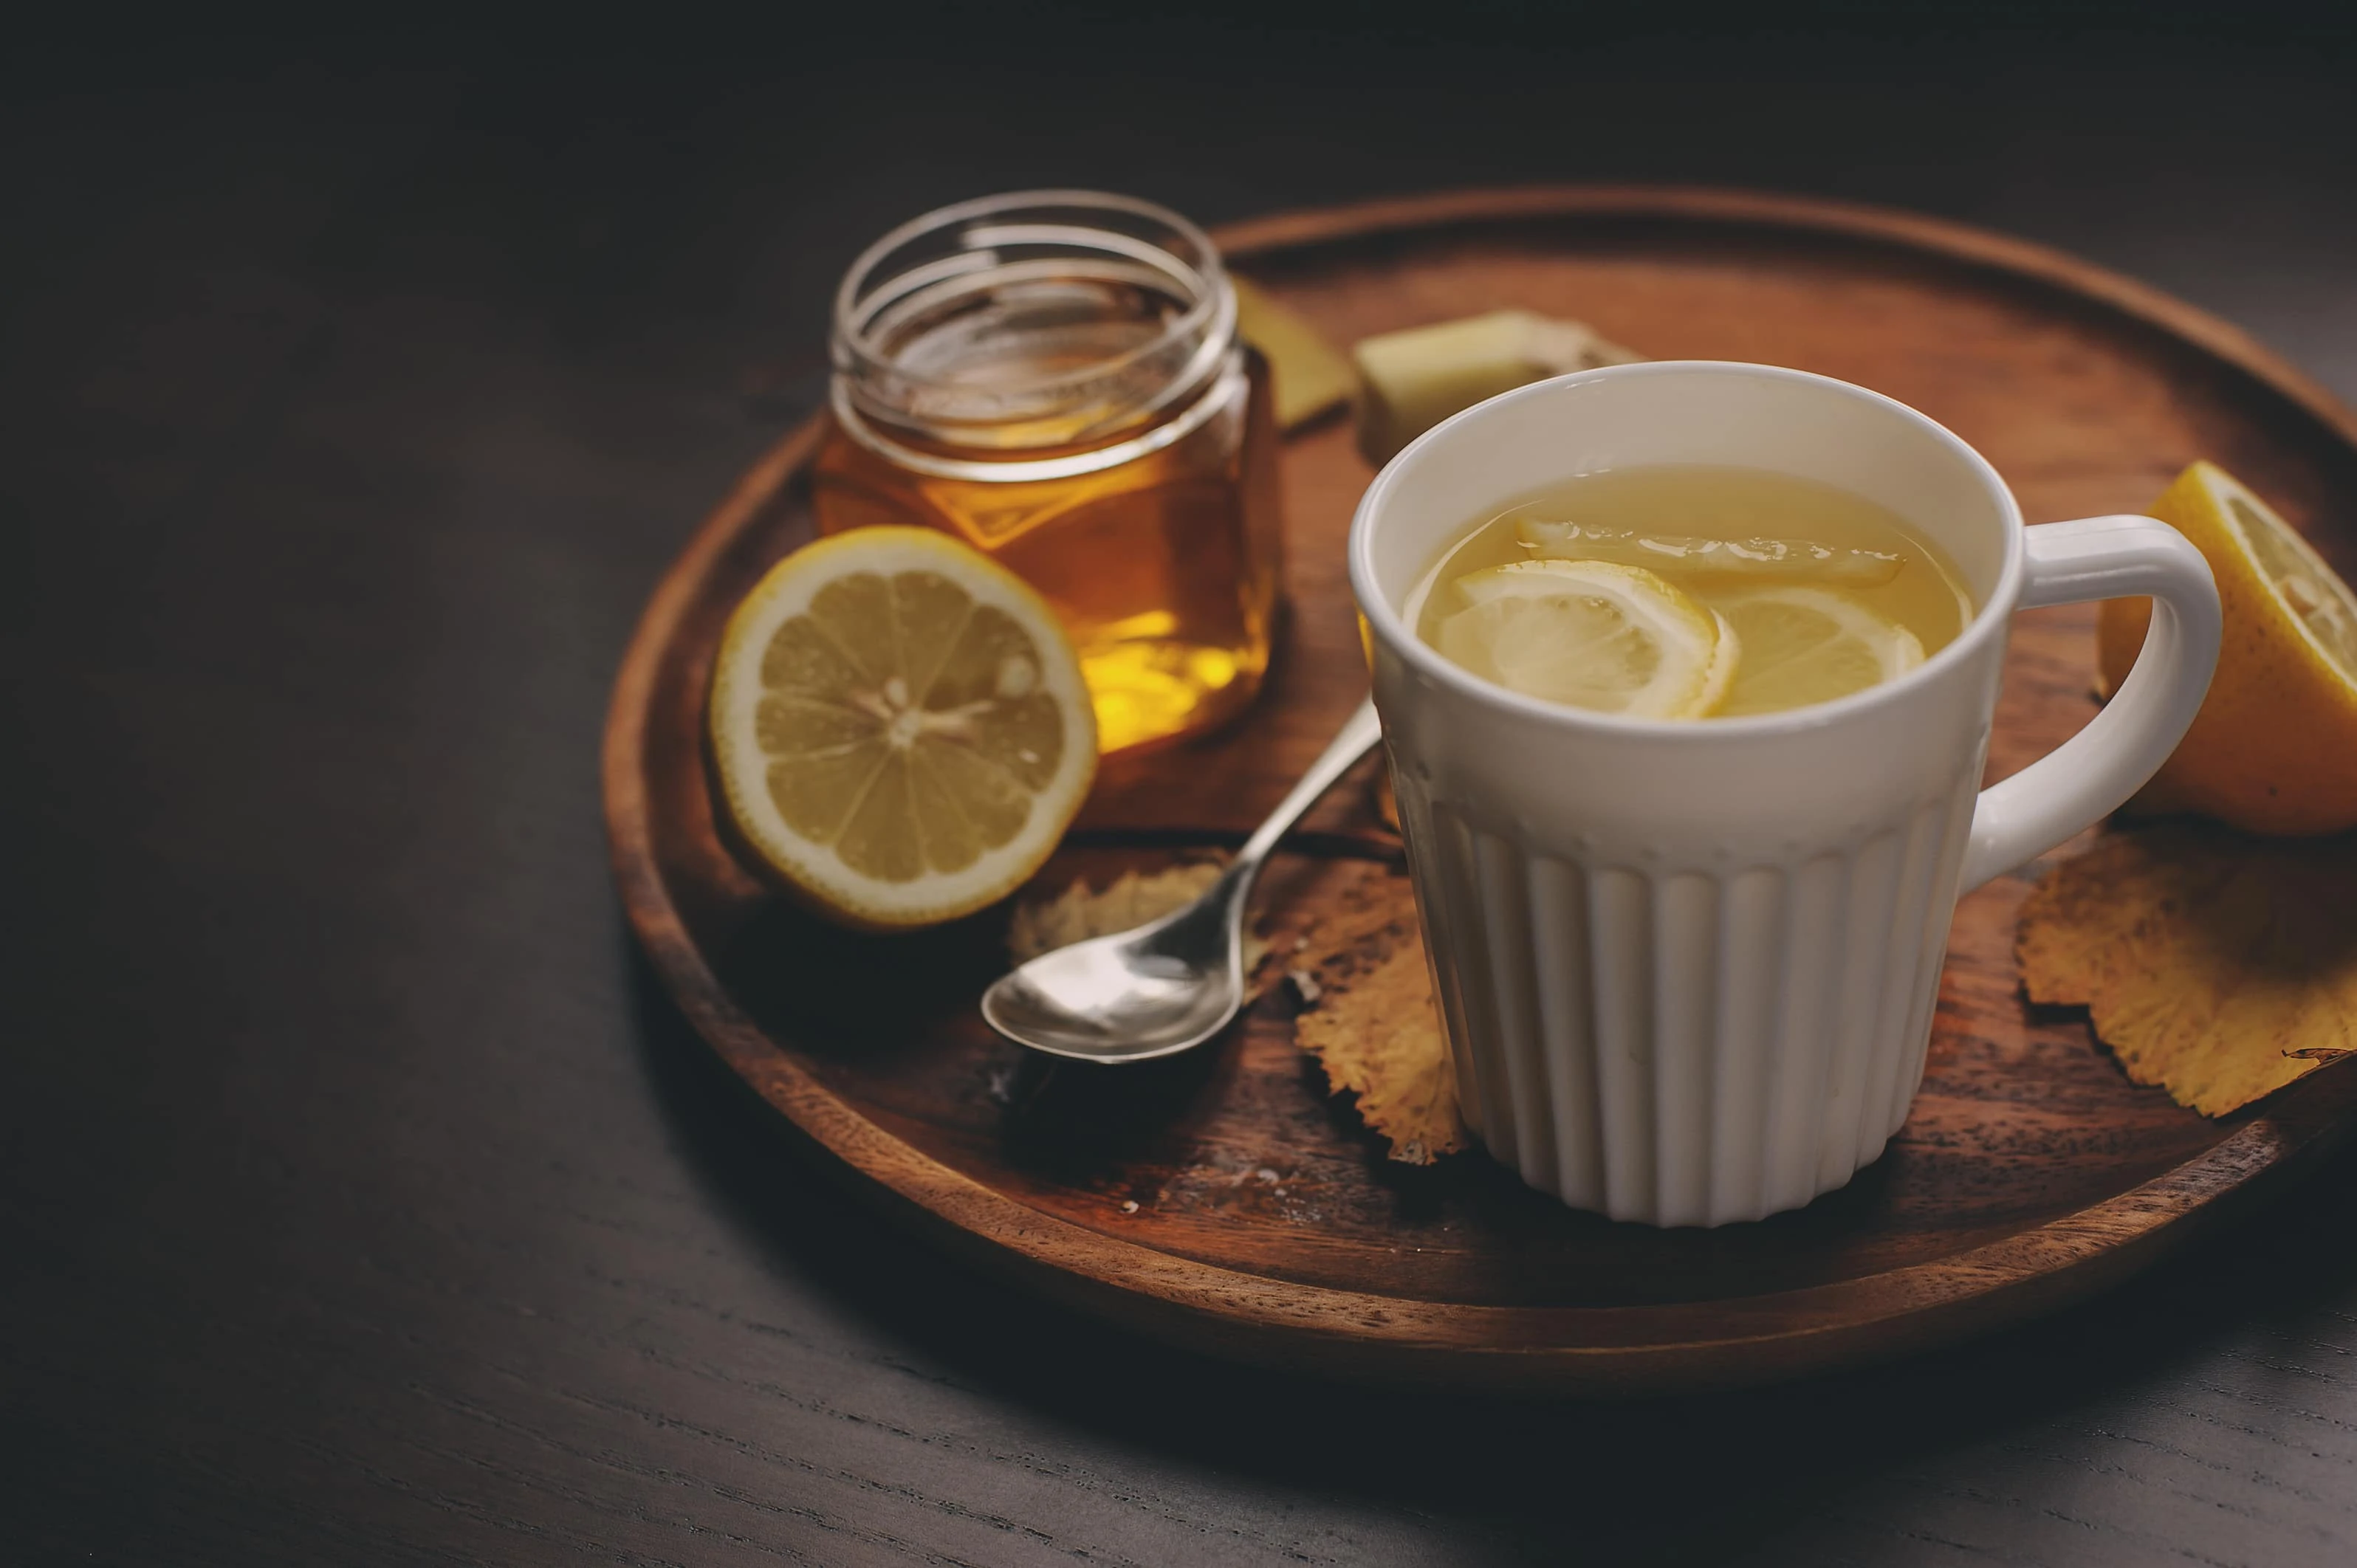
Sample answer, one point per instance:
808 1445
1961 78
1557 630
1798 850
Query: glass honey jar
1055 378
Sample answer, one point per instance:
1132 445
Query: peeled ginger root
1411 381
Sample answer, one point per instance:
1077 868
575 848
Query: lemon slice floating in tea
2274 749
899 728
1591 634
1763 559
1804 645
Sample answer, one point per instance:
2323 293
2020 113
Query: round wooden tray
1222 1200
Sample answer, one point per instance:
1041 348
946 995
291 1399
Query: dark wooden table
362 1201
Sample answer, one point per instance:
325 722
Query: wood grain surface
1222 1200
363 1199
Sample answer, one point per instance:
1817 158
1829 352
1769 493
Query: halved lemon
1804 645
1590 634
2273 749
899 728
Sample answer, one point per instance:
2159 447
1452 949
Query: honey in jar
1055 378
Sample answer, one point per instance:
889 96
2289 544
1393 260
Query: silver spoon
1172 984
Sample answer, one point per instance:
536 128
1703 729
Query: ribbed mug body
1677 998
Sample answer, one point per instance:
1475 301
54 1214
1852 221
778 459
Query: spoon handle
1357 735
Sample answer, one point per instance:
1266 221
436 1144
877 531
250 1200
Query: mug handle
2084 778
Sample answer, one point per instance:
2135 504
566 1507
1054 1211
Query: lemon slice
1590 634
2274 749
899 728
1807 645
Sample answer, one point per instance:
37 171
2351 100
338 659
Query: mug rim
1988 620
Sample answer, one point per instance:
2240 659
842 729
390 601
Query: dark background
362 1201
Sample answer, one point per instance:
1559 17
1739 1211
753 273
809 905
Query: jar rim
1213 298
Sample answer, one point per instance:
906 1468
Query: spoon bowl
1172 984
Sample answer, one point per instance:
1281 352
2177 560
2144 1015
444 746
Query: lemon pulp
2309 589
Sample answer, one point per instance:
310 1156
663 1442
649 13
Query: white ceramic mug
1687 969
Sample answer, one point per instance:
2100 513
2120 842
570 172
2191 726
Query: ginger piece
1411 381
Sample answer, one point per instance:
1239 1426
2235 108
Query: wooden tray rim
1591 1349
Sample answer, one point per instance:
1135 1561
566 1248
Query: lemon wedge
899 728
2273 749
1804 645
1590 634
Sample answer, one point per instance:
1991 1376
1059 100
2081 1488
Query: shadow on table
1685 1479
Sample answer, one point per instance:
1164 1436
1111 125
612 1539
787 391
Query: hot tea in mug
1691 591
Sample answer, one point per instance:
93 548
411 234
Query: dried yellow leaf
1374 1028
1309 375
2219 967
1386 802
